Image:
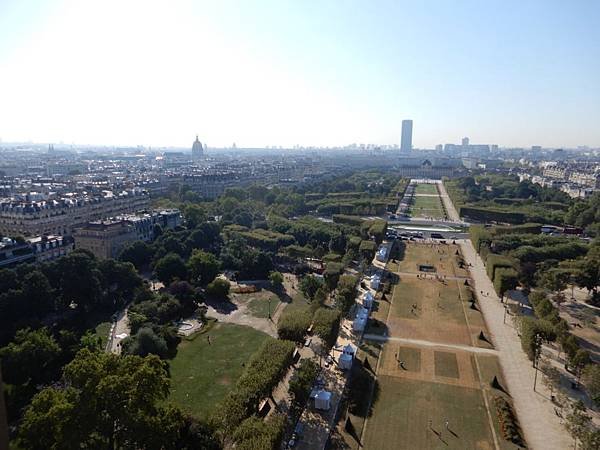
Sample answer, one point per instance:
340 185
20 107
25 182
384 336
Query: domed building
197 149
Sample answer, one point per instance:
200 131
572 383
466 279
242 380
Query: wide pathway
422 343
541 426
450 209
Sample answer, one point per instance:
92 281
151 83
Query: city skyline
286 74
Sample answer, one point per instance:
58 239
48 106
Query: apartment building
61 215
106 238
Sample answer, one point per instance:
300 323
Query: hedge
479 236
505 279
367 249
494 262
526 228
292 325
492 215
349 220
560 252
263 372
326 324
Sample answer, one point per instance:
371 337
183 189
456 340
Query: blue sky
515 73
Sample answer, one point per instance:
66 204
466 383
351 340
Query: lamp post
538 352
270 308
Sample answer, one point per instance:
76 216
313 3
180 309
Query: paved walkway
541 426
422 343
119 330
450 209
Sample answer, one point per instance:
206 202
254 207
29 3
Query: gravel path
450 209
422 343
241 316
541 426
120 327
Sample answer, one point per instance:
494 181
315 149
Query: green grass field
259 305
446 364
202 374
401 417
427 207
430 189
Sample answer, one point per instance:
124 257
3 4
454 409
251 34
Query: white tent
323 400
362 312
345 361
382 254
368 300
375 280
359 323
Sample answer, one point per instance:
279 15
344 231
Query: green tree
346 292
138 253
194 215
31 357
578 421
326 325
203 267
255 433
218 288
309 286
591 381
109 402
276 279
145 342
38 293
170 267
301 383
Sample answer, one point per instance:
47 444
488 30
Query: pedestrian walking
447 424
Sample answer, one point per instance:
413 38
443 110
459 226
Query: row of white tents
362 315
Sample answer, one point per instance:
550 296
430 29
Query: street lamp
538 353
269 308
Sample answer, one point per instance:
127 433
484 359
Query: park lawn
379 313
428 206
102 330
430 189
446 364
298 304
202 374
258 305
400 418
411 357
443 257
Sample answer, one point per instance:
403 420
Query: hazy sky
300 72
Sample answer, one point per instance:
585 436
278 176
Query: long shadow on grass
221 305
363 391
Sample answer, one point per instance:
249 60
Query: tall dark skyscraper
406 142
